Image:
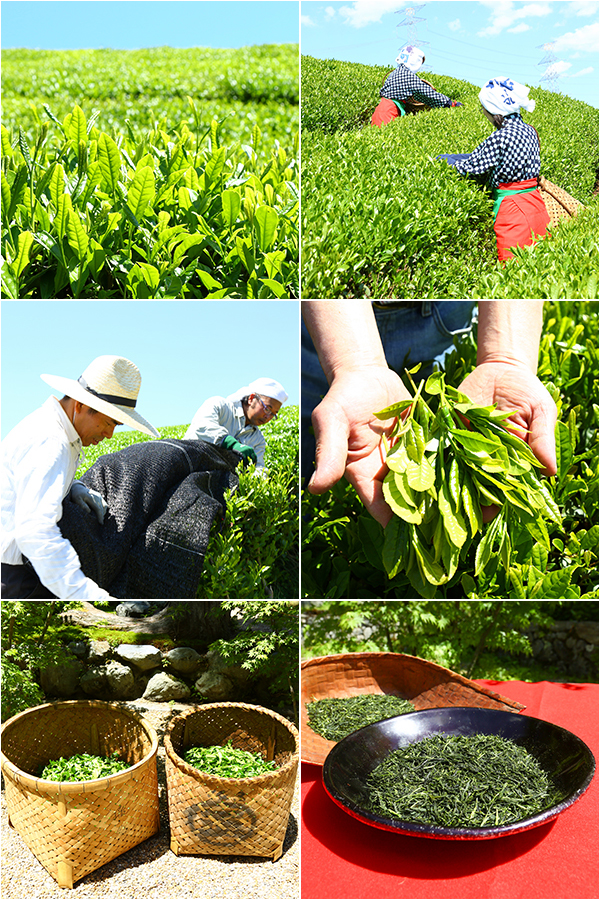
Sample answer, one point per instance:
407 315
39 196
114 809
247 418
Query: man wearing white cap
404 91
39 460
234 421
510 161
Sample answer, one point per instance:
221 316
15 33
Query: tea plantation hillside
158 173
381 217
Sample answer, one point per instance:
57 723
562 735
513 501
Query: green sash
501 194
400 107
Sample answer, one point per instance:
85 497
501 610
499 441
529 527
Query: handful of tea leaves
228 762
460 782
335 717
83 767
441 474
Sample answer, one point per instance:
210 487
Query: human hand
348 435
247 453
89 500
515 387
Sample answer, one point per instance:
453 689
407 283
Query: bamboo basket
559 204
424 683
230 816
73 828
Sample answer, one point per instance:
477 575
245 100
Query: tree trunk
199 620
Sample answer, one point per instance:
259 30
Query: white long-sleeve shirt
218 417
39 460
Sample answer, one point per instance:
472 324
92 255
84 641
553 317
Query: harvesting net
163 497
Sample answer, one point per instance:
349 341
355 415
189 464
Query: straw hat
110 385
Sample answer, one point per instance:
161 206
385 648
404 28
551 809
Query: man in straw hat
233 422
39 460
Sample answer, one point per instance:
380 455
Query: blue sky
468 40
186 350
133 24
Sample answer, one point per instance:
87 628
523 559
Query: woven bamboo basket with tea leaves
230 816
559 204
73 828
424 683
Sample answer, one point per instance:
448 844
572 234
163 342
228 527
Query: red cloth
344 858
385 112
520 217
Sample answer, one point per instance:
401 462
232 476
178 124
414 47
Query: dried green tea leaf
336 717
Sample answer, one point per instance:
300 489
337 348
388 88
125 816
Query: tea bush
254 553
120 180
383 218
342 544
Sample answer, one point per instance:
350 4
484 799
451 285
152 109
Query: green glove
247 453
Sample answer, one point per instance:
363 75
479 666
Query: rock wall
98 671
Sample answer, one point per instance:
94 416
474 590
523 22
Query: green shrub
382 218
194 203
342 544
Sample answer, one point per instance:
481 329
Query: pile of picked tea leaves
82 767
474 781
228 762
336 717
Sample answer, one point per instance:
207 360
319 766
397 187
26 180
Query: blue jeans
409 334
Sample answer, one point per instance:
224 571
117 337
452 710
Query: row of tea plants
187 198
383 218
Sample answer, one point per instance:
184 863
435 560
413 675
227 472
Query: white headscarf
267 386
411 57
502 96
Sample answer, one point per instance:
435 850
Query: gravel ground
151 870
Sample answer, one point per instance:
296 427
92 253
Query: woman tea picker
404 91
511 159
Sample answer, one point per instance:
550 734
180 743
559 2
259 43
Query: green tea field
382 218
158 173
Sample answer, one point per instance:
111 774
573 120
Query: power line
477 46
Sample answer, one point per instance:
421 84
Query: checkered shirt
512 153
402 83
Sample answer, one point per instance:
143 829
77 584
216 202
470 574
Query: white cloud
329 12
587 71
306 20
454 26
558 68
364 12
504 14
584 39
583 7
519 28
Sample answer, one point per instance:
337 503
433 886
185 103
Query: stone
587 631
143 656
215 686
233 671
133 609
184 660
99 652
163 687
120 680
79 649
94 682
61 679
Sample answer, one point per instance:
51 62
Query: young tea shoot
335 717
83 767
228 762
474 781
441 472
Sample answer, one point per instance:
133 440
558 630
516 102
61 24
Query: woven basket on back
559 204
424 683
73 828
230 816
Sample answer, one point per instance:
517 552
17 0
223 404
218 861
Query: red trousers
385 112
522 218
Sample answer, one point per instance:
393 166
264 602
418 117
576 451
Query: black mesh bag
163 497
